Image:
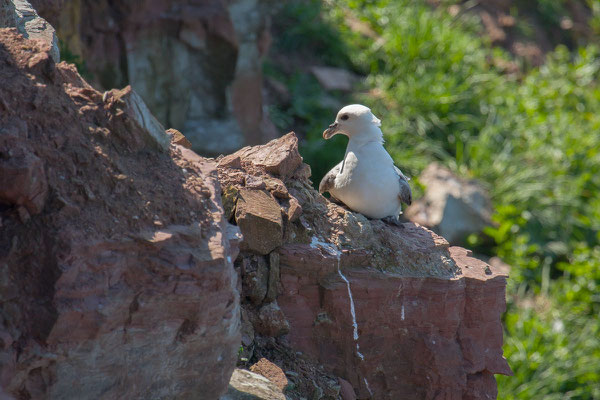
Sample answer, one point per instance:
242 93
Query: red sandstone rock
295 210
258 215
279 157
418 335
270 371
120 284
427 315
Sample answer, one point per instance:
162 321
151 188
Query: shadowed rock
258 215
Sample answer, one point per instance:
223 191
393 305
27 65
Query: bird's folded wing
329 179
405 193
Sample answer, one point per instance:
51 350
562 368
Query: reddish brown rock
22 176
295 210
426 318
123 276
270 371
418 335
258 215
279 157
271 321
277 188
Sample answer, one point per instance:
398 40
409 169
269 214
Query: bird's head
352 121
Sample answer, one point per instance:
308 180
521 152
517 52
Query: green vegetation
532 137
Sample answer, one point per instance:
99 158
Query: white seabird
366 180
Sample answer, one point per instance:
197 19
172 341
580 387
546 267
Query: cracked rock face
116 275
393 312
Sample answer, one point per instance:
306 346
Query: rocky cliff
120 275
116 276
393 310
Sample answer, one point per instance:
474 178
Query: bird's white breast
368 182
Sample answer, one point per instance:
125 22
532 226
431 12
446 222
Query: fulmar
366 180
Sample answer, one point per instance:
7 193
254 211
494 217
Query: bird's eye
344 117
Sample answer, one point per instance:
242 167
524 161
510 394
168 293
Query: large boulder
116 262
389 312
453 207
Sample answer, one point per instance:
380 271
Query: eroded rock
147 127
279 157
258 215
393 311
270 371
127 276
178 138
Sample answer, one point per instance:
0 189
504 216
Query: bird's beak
329 132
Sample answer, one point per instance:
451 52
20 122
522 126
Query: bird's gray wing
329 179
405 194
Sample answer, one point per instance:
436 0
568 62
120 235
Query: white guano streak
334 251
